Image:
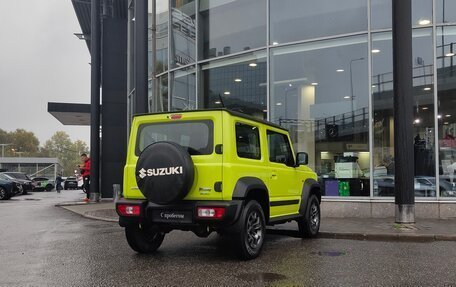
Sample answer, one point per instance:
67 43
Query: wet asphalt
44 245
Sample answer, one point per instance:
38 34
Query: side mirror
302 158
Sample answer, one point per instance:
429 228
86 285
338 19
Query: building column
403 112
141 69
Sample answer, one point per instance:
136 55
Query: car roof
233 113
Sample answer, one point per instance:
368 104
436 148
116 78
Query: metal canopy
70 114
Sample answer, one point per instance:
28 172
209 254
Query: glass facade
330 84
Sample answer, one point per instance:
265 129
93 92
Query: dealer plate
172 216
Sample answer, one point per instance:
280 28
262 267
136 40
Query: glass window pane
247 141
183 90
279 149
230 26
295 20
421 12
445 11
183 38
383 121
162 20
319 91
381 11
238 84
162 99
446 74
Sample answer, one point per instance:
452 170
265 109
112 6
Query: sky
41 61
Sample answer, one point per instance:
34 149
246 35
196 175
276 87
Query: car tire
144 239
3 194
309 223
250 239
49 187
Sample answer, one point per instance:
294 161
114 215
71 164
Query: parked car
43 183
70 183
9 188
21 178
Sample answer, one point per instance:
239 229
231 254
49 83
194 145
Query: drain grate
261 277
329 253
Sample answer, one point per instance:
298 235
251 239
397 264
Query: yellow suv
214 170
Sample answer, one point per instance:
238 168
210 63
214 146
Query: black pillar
141 74
95 100
403 111
114 103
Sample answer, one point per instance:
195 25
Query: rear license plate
172 216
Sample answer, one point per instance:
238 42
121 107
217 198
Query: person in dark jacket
58 183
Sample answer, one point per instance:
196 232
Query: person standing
58 183
85 172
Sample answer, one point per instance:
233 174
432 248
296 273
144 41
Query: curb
388 236
87 215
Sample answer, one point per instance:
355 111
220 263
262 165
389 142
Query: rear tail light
128 210
211 212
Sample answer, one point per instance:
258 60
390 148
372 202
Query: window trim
268 132
259 140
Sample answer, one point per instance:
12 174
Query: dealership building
322 69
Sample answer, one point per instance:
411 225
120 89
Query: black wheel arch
310 186
253 188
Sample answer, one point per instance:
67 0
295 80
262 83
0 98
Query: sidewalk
425 230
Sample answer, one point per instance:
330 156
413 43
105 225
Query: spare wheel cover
164 172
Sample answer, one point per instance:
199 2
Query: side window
279 148
247 141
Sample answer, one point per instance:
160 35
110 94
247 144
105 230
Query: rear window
195 136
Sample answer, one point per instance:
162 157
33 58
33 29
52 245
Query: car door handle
273 174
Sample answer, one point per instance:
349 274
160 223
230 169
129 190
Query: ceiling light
275 43
226 93
314 84
375 51
238 80
439 116
424 22
290 85
265 111
417 121
447 116
373 86
425 108
346 97
339 70
446 123
278 104
252 64
218 102
450 54
427 89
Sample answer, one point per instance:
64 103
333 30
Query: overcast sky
41 61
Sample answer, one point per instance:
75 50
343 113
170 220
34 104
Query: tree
61 147
21 142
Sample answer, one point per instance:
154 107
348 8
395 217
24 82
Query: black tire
49 187
164 172
3 193
250 239
144 239
309 224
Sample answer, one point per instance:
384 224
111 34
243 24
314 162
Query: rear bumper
182 215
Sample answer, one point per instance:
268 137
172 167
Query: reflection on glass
445 11
446 74
183 90
162 20
421 12
183 40
237 83
381 11
295 20
162 100
230 26
383 120
319 91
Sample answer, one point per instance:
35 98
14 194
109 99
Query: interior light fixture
424 22
278 104
375 51
450 54
425 108
226 93
290 85
446 123
275 43
238 80
439 116
447 116
427 89
339 70
347 97
374 86
417 121
253 64
217 102
314 84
